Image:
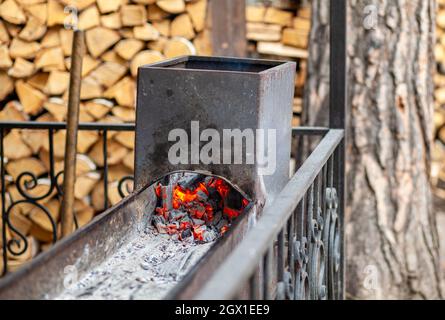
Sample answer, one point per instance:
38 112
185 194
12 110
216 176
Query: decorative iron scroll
52 182
297 241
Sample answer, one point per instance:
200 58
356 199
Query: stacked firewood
35 49
438 165
280 30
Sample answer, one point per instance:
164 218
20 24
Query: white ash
146 268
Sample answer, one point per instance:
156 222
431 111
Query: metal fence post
337 109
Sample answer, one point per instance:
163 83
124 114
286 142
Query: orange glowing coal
199 211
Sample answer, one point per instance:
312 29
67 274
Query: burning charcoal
202 196
172 228
190 181
198 222
197 211
167 197
186 233
177 215
217 218
160 224
234 200
222 223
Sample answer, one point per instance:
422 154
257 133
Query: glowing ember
197 207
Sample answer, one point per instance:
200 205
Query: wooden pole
228 28
71 134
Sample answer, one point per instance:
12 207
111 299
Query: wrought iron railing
295 250
27 181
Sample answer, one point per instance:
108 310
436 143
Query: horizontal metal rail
239 267
62 125
310 131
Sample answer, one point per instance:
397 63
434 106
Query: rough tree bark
391 233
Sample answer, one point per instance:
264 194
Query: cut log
146 32
4 35
178 47
50 59
85 184
84 216
118 172
86 140
182 26
124 113
22 49
5 59
38 10
255 13
203 43
295 37
41 219
51 39
88 65
99 39
66 41
57 108
6 85
15 148
21 223
124 92
21 69
163 27
263 32
97 197
11 12
98 108
107 6
108 73
31 99
302 24
81 5
34 30
126 138
197 11
90 89
133 15
57 83
277 16
84 165
89 18
112 56
171 6
33 165
129 161
59 139
56 14
157 45
128 48
155 13
39 80
143 58
116 153
35 139
111 21
13 111
278 49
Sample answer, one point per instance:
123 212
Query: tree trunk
392 246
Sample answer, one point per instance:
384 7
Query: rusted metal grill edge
227 283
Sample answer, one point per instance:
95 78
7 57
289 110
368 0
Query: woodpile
281 31
438 164
35 49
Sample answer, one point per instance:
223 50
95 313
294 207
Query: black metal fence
295 250
17 243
